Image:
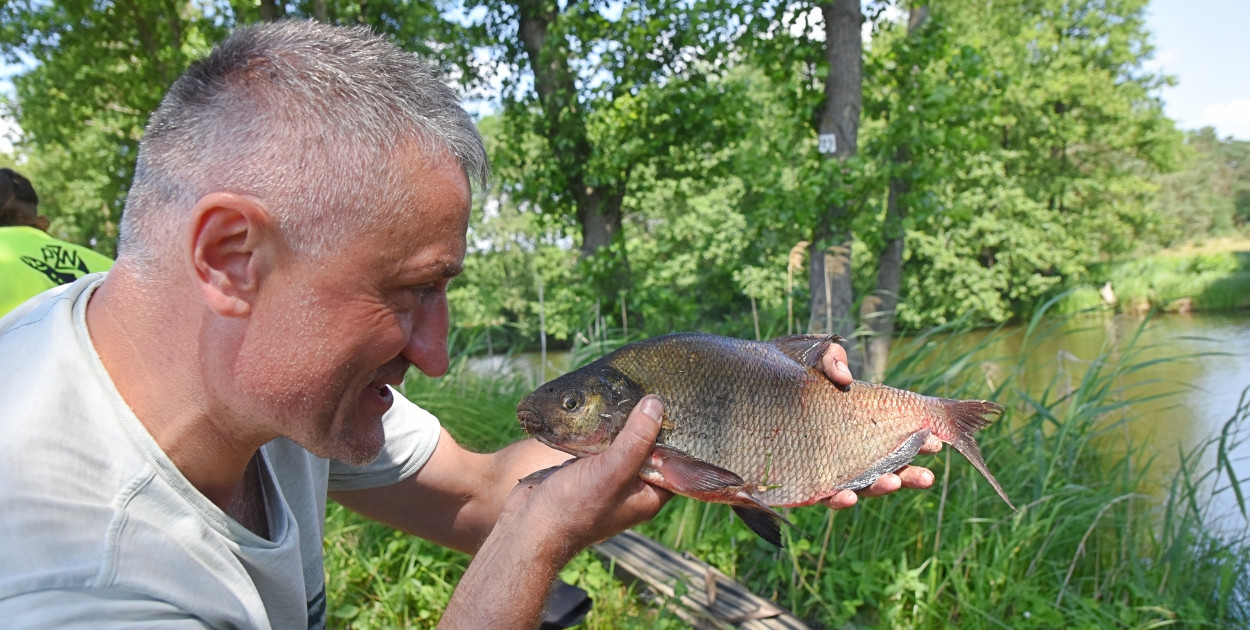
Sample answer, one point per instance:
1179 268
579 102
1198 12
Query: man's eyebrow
442 268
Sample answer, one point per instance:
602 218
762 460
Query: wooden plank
696 591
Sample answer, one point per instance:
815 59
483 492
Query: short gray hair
308 117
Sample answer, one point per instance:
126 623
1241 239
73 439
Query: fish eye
570 402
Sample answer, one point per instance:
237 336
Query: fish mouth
531 421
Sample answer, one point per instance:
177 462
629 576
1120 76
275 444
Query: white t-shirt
99 529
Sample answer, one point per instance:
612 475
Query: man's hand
595 497
834 364
543 525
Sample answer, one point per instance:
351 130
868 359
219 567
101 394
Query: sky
1203 45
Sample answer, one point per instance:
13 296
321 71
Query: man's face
334 331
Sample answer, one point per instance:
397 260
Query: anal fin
897 458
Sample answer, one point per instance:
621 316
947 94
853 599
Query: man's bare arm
543 525
456 497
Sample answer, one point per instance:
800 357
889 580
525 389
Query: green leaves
1026 139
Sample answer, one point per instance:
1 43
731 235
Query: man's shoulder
62 464
67 499
134 545
46 318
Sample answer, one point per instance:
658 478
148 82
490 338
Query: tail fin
968 416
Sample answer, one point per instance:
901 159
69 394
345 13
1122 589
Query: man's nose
427 342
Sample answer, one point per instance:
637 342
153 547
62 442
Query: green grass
1094 544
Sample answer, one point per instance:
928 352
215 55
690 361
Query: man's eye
427 289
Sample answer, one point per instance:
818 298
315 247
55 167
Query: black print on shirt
60 264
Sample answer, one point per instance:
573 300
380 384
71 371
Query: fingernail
652 407
841 367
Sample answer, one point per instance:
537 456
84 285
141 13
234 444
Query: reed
1096 543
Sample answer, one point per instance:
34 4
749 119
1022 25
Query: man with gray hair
173 428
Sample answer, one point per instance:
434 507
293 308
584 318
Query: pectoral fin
538 476
689 476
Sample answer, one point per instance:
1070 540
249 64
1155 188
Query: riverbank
1210 276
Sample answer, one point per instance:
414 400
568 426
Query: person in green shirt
31 260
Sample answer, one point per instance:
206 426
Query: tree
877 309
1073 134
608 89
1209 196
96 72
830 251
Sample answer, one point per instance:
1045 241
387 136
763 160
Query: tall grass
1093 544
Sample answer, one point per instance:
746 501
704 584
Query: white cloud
1229 119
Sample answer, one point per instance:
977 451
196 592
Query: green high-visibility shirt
32 262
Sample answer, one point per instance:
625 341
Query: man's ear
228 248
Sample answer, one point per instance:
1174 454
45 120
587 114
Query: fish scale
771 436
749 423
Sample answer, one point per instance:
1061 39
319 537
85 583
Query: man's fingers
916 477
932 444
884 484
833 362
842 500
636 439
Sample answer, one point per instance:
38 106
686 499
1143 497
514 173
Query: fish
752 424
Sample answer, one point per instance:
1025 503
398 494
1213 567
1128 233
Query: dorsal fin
805 349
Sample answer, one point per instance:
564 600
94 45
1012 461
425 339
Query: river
1203 369
1195 368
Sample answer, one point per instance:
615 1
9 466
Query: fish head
581 412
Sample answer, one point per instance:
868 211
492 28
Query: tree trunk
599 212
830 266
599 206
878 310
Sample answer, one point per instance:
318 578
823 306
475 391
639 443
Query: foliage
1032 141
1210 196
1206 281
96 72
1072 136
